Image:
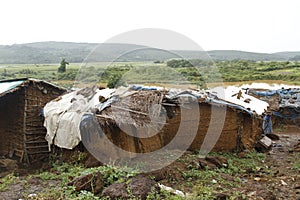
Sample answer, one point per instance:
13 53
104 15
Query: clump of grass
6 181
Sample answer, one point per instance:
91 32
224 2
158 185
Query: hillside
52 52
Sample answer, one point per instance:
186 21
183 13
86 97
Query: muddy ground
277 177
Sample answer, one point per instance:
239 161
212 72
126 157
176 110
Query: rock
206 165
139 187
116 191
222 196
90 182
297 187
91 161
219 161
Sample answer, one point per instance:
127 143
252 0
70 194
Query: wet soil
278 178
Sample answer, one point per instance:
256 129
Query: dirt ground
277 178
284 183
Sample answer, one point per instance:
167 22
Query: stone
219 161
137 187
91 182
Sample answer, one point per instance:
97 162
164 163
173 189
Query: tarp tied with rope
287 102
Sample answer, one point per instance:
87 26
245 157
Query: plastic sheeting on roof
289 97
6 86
63 117
289 102
246 101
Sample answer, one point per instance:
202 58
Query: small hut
21 118
239 127
142 121
284 103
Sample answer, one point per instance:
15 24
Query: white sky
249 25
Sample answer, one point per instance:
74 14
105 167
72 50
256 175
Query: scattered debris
171 190
264 144
283 182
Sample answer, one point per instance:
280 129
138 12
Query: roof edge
32 79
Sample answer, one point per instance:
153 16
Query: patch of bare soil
283 160
24 187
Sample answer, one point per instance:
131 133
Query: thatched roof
137 109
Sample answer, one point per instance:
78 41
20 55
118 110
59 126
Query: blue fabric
134 87
267 124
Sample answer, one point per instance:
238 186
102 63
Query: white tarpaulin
230 94
62 117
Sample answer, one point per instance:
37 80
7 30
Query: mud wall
11 123
185 127
37 95
21 122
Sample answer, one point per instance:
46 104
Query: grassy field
162 73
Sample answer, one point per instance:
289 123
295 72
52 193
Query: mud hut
141 121
21 120
284 104
134 114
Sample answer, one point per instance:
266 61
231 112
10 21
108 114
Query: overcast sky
249 25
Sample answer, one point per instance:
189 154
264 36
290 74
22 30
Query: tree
62 67
115 81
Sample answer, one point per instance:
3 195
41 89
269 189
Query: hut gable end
21 120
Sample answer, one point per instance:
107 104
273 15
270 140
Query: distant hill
52 52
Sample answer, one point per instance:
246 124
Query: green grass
6 181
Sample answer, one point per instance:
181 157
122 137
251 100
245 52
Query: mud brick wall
239 129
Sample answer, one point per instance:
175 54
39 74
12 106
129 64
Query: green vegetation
6 181
196 182
63 66
250 71
197 72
